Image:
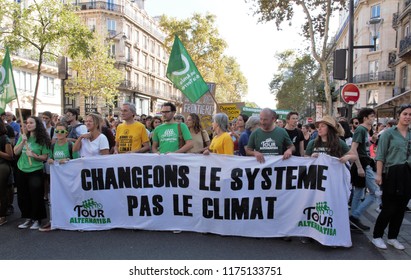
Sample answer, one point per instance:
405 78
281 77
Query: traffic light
62 67
339 67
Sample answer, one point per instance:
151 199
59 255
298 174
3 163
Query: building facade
372 71
400 60
137 44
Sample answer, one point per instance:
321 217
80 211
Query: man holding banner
169 136
269 139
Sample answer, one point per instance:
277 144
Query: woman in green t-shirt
33 149
61 152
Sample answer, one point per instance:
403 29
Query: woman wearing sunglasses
93 143
394 175
61 152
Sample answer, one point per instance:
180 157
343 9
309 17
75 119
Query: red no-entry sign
350 93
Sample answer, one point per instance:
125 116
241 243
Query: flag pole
20 115
212 96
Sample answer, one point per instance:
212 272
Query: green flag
7 86
184 74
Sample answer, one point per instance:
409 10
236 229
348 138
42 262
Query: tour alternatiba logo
319 218
89 212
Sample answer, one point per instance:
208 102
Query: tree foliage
44 29
294 85
315 28
95 75
201 39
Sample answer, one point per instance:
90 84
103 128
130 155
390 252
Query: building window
145 42
152 46
153 65
24 81
136 57
91 23
111 27
110 5
372 98
377 41
145 66
403 78
145 84
128 57
373 70
136 78
112 51
48 86
406 30
127 32
137 37
376 11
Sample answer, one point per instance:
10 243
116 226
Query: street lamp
374 25
111 37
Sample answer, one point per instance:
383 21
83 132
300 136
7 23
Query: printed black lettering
236 183
251 176
290 177
111 180
266 183
132 203
124 177
85 183
280 176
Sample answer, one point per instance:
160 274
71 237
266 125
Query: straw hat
331 122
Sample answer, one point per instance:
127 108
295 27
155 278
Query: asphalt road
121 244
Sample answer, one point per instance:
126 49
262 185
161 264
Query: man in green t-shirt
269 139
166 137
362 174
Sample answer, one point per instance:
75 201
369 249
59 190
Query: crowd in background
378 155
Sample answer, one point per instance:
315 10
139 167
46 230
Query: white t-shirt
93 148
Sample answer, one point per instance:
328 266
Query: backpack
70 147
73 132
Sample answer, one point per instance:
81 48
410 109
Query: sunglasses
356 123
61 131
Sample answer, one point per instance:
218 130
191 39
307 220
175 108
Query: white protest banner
227 195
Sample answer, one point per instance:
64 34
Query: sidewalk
391 253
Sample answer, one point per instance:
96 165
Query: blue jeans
358 207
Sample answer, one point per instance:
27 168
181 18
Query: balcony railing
373 77
405 45
133 86
137 17
99 5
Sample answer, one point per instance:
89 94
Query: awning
389 107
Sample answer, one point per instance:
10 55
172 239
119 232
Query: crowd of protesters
379 157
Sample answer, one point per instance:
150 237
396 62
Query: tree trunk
327 91
36 89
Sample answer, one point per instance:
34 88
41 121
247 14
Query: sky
253 44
